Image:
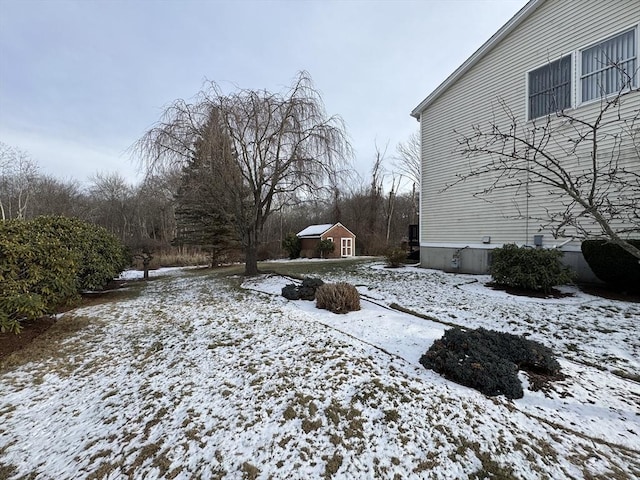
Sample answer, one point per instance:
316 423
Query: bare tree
589 166
408 159
18 172
281 147
112 204
52 196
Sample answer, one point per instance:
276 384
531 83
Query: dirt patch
543 383
11 342
32 329
609 293
521 292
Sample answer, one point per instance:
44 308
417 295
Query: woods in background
166 211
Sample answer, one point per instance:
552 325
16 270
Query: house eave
505 30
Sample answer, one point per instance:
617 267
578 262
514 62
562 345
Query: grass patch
249 472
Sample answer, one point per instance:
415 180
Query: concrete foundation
476 260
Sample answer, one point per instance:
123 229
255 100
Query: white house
547 58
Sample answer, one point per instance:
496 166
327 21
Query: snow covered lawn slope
198 378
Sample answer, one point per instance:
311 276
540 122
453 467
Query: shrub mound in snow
338 297
47 261
306 291
528 268
612 264
395 258
488 360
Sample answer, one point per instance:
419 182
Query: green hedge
100 256
46 262
527 268
613 265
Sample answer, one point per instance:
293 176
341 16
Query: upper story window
550 88
610 66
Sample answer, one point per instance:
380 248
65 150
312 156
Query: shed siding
555 29
309 246
337 233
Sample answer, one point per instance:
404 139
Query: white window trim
576 73
573 81
578 67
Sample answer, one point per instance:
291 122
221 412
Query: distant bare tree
112 204
18 172
52 196
408 159
589 166
282 146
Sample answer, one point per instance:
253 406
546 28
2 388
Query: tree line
232 175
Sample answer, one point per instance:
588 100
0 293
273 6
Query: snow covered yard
197 377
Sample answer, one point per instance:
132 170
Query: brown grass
46 345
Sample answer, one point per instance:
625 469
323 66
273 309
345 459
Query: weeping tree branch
278 148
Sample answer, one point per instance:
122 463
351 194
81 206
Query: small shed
341 236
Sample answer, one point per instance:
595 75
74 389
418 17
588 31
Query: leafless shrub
338 297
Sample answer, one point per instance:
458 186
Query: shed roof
315 230
497 37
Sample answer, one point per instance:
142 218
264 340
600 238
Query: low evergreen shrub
488 360
395 258
290 292
338 297
526 268
306 291
613 265
309 288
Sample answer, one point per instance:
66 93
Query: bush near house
292 245
395 258
46 262
613 265
306 291
325 246
527 268
488 360
338 297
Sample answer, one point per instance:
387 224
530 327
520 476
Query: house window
550 88
610 66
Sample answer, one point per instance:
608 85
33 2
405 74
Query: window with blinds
610 66
550 88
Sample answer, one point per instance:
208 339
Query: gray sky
81 80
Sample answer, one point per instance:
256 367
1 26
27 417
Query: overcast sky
80 81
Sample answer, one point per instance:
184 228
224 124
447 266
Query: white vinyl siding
550 88
455 215
610 66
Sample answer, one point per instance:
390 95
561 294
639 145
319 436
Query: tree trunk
251 255
251 260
